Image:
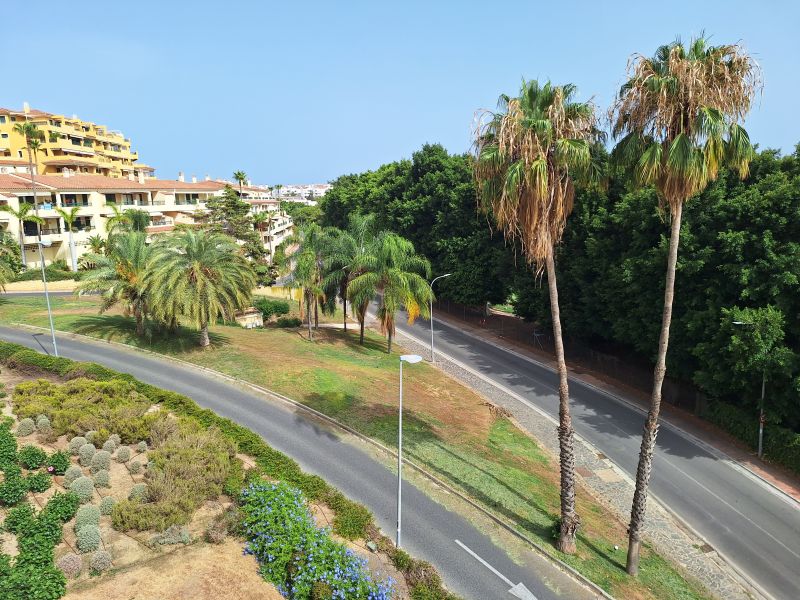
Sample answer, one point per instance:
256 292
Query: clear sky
301 92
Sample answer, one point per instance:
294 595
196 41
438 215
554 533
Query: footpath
612 486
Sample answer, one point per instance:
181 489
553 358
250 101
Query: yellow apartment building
168 202
68 143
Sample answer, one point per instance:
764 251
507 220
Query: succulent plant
107 505
84 487
76 443
109 446
85 454
71 474
135 467
88 538
123 454
101 479
101 461
141 446
138 492
86 515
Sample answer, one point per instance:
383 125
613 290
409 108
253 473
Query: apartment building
168 202
68 142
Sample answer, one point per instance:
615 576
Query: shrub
141 447
38 482
26 427
71 564
88 538
109 446
76 443
107 505
85 454
123 454
138 493
31 457
223 524
294 553
101 561
101 461
115 438
71 474
270 307
91 436
174 534
19 518
84 488
58 463
43 425
288 322
86 515
135 467
62 507
12 490
101 479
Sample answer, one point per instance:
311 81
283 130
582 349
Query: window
2 118
111 198
19 153
4 135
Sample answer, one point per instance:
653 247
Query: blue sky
296 92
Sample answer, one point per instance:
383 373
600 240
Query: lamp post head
46 243
411 358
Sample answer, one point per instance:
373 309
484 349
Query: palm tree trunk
316 313
639 505
308 315
361 326
204 340
22 242
74 260
137 313
389 349
570 521
344 312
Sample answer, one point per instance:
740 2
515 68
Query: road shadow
123 329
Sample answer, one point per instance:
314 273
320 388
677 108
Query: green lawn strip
499 472
351 520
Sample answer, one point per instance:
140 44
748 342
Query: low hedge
351 520
781 445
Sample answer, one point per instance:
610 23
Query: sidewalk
707 433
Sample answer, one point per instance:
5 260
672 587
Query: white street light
42 245
761 407
433 357
411 359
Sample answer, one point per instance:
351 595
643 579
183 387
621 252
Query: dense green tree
229 214
301 214
24 215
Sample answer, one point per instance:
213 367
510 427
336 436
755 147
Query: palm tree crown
529 153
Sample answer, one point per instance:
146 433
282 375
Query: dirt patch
201 571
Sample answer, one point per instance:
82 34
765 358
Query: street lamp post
411 359
42 245
761 405
435 279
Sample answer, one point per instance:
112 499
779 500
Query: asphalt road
755 529
430 531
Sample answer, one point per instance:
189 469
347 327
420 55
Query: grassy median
447 427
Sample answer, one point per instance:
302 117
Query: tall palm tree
307 272
202 276
528 155
119 276
33 140
70 216
23 215
393 269
241 177
678 118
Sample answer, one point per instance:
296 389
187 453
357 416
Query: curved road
755 528
430 531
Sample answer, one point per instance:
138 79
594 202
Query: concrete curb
293 403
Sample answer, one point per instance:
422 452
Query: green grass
446 427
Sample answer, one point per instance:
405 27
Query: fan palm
70 216
678 119
119 276
201 276
393 269
23 214
241 177
528 155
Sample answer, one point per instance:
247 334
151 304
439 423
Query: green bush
57 463
88 538
31 457
71 474
76 443
19 518
38 482
26 427
86 515
123 454
84 488
43 425
270 307
12 490
141 447
101 461
102 479
288 322
135 467
138 493
53 272
63 506
110 446
107 505
91 436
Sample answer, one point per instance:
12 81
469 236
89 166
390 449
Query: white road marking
519 590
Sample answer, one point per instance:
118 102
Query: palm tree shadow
123 329
350 339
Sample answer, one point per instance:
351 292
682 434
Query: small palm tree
394 270
307 273
241 177
117 221
96 244
529 153
201 276
23 215
678 119
70 216
119 276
